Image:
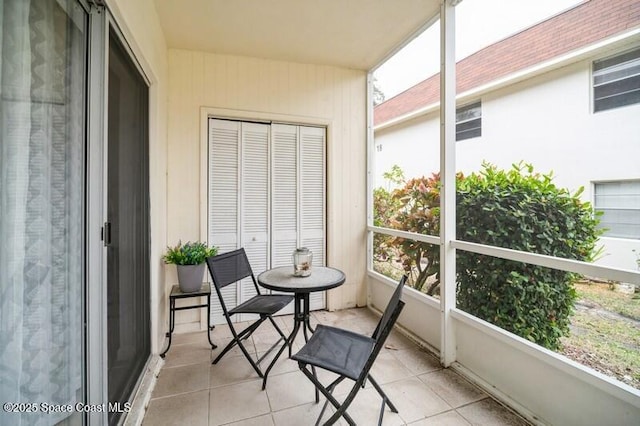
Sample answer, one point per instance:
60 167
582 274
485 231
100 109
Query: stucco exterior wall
546 121
252 88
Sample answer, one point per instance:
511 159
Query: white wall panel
252 88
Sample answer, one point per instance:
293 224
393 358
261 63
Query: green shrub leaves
521 210
517 209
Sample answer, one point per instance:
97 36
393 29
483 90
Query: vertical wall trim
448 179
370 170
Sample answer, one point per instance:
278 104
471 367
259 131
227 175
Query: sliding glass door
43 57
48 229
127 229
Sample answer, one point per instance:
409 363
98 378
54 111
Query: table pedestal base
300 318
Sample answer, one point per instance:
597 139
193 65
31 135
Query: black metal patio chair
350 355
229 268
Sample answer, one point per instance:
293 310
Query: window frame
599 68
597 208
473 132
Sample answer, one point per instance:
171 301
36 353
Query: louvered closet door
298 196
284 194
254 206
224 190
266 194
312 199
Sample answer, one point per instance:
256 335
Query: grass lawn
605 332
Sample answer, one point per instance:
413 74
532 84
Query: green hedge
522 210
517 209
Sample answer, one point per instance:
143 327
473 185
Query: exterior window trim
610 66
617 208
474 123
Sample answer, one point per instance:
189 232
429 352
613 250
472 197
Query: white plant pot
190 277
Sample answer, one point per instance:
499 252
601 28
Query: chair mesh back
388 320
229 267
391 306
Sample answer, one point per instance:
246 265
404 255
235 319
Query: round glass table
282 279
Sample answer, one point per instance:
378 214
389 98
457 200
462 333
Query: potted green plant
189 259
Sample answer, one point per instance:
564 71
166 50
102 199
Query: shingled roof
579 26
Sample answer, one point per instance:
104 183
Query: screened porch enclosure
276 77
226 79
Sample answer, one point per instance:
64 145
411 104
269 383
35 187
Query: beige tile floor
190 390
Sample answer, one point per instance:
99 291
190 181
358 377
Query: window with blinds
616 81
469 121
619 203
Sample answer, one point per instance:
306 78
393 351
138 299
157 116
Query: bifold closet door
224 198
254 200
266 194
312 184
298 195
239 198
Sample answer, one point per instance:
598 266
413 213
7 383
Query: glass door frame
100 22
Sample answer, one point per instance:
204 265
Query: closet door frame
258 117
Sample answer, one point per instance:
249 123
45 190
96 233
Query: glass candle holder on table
302 260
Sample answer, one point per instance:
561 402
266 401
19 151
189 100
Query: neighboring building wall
413 145
253 88
141 26
546 121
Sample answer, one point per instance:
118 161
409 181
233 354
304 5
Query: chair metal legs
384 396
245 334
237 337
328 394
341 408
275 358
349 355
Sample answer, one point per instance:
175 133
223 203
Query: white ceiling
348 33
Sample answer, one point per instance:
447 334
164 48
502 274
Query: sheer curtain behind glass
42 87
